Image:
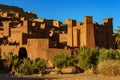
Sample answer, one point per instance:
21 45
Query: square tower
87 33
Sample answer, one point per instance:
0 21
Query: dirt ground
60 77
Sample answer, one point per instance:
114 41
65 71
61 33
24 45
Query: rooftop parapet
71 22
108 22
88 19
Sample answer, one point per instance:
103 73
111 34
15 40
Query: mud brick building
88 33
43 38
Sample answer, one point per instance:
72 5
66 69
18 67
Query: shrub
62 60
109 55
117 55
87 57
94 56
39 65
84 58
25 67
9 56
109 67
14 64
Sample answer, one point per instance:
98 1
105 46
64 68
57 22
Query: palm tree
117 37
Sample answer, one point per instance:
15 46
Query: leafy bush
9 56
117 55
62 60
26 66
109 67
14 65
39 65
87 57
94 56
84 58
109 55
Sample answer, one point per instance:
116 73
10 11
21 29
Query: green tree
25 66
62 60
110 54
87 58
84 58
9 56
94 56
117 54
39 65
117 37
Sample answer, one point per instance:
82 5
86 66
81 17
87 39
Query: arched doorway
22 53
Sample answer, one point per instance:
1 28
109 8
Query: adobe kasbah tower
43 37
88 33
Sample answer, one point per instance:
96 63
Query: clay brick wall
57 23
109 25
25 37
46 31
51 52
25 26
100 36
39 48
63 37
6 28
75 38
83 40
71 24
16 35
36 47
35 35
89 32
79 26
1 34
103 34
7 49
79 34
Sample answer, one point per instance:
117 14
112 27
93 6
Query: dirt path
88 77
61 77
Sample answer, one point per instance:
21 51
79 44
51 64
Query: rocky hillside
6 8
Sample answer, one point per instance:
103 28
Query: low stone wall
46 54
4 50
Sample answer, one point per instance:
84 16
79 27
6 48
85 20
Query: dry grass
109 67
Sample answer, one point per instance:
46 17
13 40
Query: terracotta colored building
88 33
43 38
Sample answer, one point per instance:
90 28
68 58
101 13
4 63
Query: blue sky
73 9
